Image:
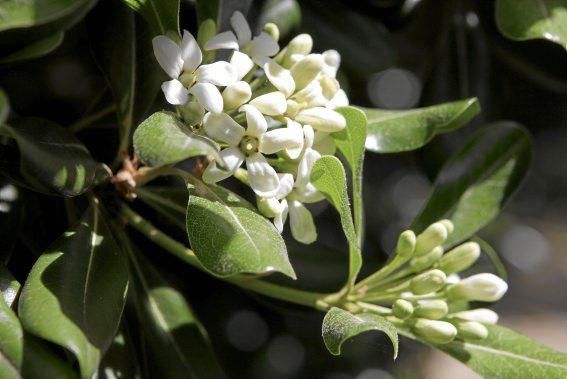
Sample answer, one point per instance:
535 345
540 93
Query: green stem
310 299
86 121
374 308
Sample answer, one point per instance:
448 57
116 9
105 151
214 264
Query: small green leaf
35 49
328 176
162 139
507 354
128 62
179 344
478 180
75 292
52 160
229 236
396 131
162 15
11 342
340 325
529 19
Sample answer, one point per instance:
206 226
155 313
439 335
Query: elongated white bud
435 235
484 315
460 258
439 332
300 45
431 309
429 281
236 94
306 70
271 104
402 309
268 206
322 119
272 30
480 287
419 264
470 330
406 245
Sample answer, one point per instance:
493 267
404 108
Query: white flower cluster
422 286
271 109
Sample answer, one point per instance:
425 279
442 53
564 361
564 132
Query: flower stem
88 120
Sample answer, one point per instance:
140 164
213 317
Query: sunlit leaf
76 290
162 15
41 362
9 287
392 131
11 342
529 19
340 325
478 180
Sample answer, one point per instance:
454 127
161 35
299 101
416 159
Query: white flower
484 315
259 49
249 145
479 287
182 63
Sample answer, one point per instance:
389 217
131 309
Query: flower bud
207 30
429 281
448 225
321 118
268 206
402 309
480 287
419 264
330 87
435 235
300 45
270 104
236 94
306 70
192 113
438 332
431 309
460 258
470 330
406 245
483 315
272 30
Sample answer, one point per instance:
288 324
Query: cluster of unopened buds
267 108
420 288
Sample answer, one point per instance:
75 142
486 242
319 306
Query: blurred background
396 54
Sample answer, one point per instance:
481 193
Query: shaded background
396 55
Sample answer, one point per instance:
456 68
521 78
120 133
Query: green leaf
4 107
9 287
119 361
35 49
328 176
52 160
228 235
169 202
350 143
162 139
396 131
340 325
508 354
179 344
11 342
162 15
128 62
529 19
41 362
208 9
75 292
474 185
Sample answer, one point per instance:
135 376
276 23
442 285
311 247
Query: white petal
296 151
320 118
312 95
263 45
236 94
222 128
271 104
308 194
209 96
262 177
286 186
301 222
256 124
175 93
332 60
241 28
224 40
168 55
219 73
280 78
242 63
232 158
339 100
280 219
305 166
281 139
190 52
309 134
324 143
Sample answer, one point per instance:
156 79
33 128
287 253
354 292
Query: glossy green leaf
286 14
529 19
350 143
52 160
508 354
75 292
229 236
162 15
179 344
119 361
128 63
162 139
169 202
393 131
35 49
340 325
41 362
474 185
9 287
328 176
208 9
4 107
11 342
